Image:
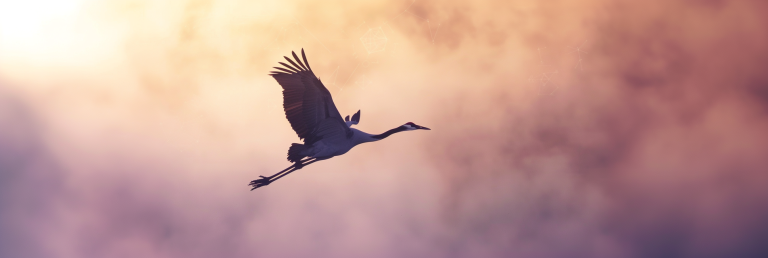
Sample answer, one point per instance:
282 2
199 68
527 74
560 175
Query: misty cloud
560 129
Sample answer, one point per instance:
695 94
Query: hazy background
593 128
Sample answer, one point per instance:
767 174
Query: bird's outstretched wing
307 102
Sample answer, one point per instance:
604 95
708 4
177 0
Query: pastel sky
594 128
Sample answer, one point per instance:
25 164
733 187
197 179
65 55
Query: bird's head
410 126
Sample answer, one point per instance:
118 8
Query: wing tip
295 57
305 59
356 117
295 66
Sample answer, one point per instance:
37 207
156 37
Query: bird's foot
260 182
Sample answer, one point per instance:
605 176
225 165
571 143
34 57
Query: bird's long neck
386 134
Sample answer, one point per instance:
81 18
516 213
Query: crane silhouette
310 110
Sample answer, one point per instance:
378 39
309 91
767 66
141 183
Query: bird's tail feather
294 152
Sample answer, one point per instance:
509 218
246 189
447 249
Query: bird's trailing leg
297 167
264 180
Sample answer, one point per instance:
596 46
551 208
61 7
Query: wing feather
305 60
307 103
283 69
294 64
297 60
356 117
294 70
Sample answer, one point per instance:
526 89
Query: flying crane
310 110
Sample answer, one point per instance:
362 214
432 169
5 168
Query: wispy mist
560 129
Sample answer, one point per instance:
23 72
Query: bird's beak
424 128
